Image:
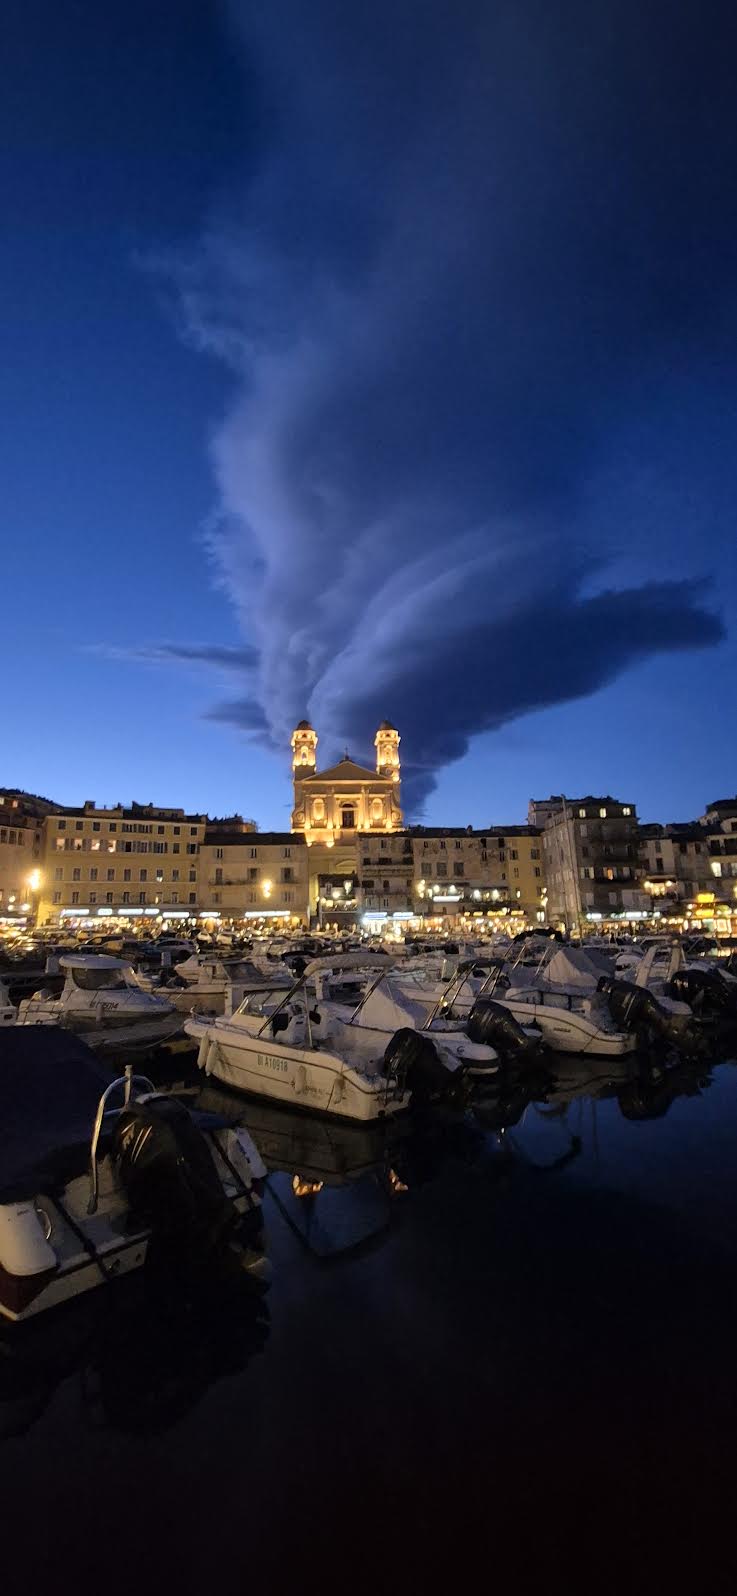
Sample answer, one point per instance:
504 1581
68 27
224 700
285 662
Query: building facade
257 876
338 812
22 818
590 859
462 870
122 862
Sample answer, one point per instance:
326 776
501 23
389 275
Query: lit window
602 814
582 814
626 810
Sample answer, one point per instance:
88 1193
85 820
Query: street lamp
33 883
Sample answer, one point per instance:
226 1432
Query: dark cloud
483 241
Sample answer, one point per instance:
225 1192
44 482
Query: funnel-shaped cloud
478 239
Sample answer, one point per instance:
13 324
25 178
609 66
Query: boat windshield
97 980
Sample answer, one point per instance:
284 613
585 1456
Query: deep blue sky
390 348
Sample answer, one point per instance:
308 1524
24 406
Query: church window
348 819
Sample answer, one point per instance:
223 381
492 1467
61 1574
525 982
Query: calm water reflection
526 1308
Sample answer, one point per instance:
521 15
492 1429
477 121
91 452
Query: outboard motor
634 1008
170 1179
492 1024
411 1062
705 991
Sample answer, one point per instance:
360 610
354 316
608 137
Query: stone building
339 813
124 862
463 870
590 858
22 819
255 875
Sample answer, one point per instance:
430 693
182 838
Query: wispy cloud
239 659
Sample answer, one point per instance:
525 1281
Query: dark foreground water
521 1368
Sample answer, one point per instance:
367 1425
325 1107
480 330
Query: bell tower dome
304 750
386 743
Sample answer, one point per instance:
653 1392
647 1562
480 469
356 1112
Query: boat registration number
267 1061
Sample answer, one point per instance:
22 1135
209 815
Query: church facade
337 810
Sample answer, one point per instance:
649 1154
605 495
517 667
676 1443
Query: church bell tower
304 750
386 743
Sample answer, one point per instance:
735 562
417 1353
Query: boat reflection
140 1361
333 1181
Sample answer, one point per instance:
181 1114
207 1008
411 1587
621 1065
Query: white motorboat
562 996
210 984
689 988
280 1046
85 1186
465 1038
101 996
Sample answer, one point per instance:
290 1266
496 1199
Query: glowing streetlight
34 881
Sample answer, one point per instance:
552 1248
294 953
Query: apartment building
255 875
462 870
591 858
120 861
21 850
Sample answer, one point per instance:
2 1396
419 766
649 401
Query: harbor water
499 1342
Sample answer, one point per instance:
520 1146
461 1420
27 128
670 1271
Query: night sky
364 360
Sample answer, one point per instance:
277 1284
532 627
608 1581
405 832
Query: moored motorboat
561 994
101 998
296 1051
210 983
93 1170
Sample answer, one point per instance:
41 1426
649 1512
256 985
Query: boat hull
566 1032
293 1076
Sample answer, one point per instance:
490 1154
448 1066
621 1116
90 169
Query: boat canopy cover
348 961
390 1007
50 1086
92 961
572 967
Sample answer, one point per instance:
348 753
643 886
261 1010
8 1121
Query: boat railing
127 1081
